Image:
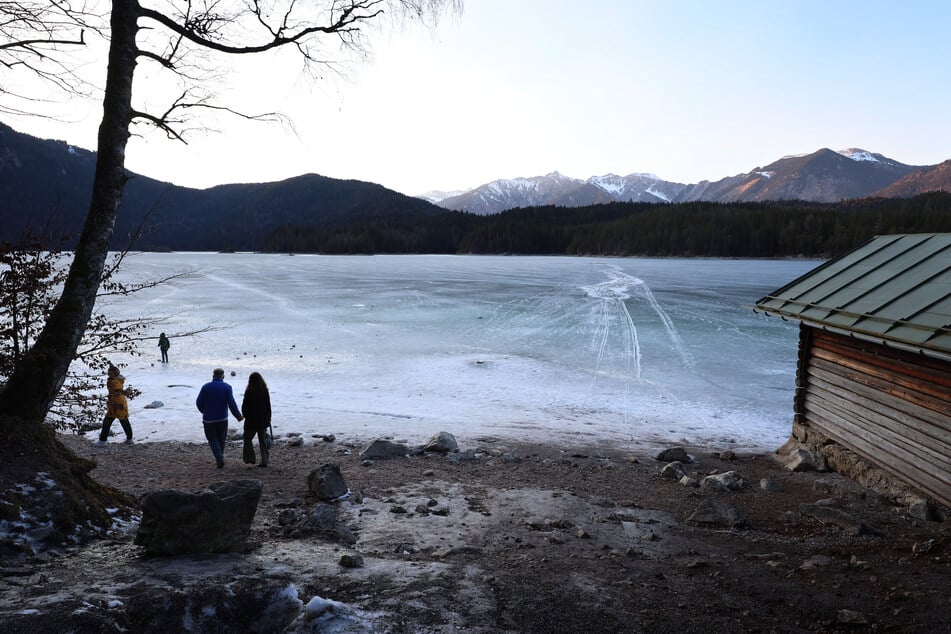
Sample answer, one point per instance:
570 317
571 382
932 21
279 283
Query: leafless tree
180 36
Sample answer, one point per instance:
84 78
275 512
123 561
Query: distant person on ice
116 406
164 344
256 408
214 400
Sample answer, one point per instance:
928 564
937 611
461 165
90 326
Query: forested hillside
48 183
636 229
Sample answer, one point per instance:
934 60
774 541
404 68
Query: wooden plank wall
889 406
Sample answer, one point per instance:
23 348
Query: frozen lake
573 350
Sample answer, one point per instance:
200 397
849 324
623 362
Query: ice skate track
620 287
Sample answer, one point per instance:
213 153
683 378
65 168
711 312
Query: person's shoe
221 464
100 443
128 441
263 465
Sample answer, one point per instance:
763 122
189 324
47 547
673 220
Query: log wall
889 406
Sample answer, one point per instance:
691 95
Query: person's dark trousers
107 424
262 445
217 434
250 431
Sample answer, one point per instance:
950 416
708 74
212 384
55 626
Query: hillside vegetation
698 229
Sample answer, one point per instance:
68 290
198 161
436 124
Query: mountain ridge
49 182
822 176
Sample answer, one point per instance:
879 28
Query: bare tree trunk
37 379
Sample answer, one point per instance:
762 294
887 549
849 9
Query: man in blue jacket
214 400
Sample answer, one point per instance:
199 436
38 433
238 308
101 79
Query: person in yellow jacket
116 406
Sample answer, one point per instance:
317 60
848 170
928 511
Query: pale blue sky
687 90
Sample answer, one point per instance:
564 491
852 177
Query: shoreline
532 538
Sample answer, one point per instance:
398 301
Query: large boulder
215 520
327 483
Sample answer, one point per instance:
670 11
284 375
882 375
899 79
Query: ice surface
570 350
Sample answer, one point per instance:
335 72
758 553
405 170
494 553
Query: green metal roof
894 290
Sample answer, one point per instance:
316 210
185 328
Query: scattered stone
687 481
380 448
289 517
443 442
321 518
396 508
674 454
429 473
712 512
154 405
327 483
582 534
215 520
675 471
351 561
328 438
850 617
827 515
623 516
650 536
468 454
823 486
727 455
729 481
922 510
456 551
771 485
816 561
858 563
803 460
295 441
422 509
829 503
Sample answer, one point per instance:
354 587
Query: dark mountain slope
931 179
40 179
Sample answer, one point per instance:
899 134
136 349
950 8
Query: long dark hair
256 384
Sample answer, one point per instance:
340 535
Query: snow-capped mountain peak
436 196
858 154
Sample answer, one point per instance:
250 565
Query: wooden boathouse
874 369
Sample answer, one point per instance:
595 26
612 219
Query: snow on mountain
436 196
503 194
822 176
858 154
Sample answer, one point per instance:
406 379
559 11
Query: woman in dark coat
256 409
